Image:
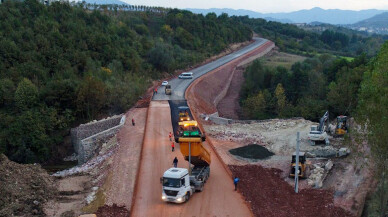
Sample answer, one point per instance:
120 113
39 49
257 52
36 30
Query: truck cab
167 89
176 186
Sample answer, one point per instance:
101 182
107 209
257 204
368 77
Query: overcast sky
267 6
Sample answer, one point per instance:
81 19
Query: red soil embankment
270 195
206 92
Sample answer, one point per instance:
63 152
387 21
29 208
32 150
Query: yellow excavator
342 126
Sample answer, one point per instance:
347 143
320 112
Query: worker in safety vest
172 146
235 181
170 136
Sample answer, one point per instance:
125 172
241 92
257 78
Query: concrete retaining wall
85 137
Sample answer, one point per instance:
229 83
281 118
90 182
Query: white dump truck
178 185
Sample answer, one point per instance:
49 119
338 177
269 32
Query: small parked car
164 83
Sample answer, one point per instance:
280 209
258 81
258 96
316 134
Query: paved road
218 198
179 86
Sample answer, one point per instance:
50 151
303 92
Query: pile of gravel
252 151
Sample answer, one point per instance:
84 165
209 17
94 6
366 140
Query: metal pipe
297 163
190 158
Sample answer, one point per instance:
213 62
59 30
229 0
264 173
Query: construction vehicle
342 126
318 133
302 165
179 184
183 113
167 89
189 129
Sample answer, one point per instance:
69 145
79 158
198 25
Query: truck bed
200 156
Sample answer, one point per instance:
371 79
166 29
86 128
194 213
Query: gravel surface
127 160
269 195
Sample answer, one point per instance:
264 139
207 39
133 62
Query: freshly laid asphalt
179 86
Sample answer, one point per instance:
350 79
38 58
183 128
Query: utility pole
297 163
190 158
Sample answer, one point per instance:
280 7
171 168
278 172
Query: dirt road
126 162
218 198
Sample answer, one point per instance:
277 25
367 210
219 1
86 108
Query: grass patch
282 59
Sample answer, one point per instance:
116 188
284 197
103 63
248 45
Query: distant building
300 24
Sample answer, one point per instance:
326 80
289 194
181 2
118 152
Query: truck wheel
201 189
187 196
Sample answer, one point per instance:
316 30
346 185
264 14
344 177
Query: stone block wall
86 136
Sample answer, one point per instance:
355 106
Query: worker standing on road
133 122
156 90
170 136
175 162
172 146
235 181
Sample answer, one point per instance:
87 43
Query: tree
26 95
255 106
161 56
91 97
281 100
7 89
373 116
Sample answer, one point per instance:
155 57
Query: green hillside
61 65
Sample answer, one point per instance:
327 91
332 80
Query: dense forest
307 90
65 64
290 38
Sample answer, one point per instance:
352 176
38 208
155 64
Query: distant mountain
239 12
378 21
106 2
331 16
377 24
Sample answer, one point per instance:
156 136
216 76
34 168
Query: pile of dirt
112 211
252 151
269 195
24 189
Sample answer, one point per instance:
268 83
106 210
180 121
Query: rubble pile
24 188
319 173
